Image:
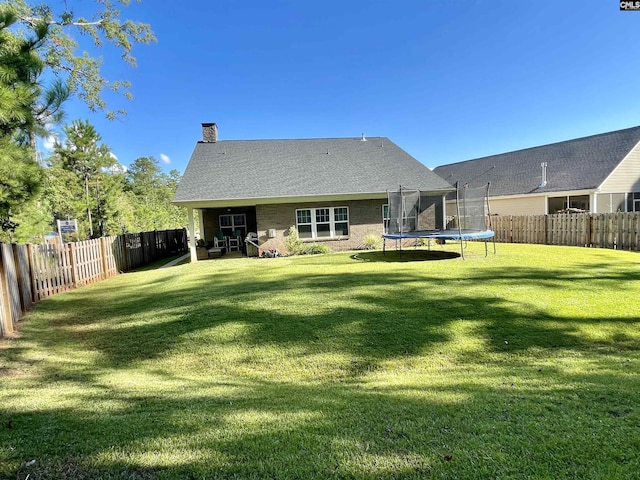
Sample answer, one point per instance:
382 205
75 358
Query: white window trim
385 219
332 223
408 217
229 229
233 220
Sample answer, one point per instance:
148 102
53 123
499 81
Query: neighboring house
332 189
599 174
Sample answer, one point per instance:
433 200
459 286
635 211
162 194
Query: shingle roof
239 169
579 164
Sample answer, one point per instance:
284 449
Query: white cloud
120 168
165 158
48 142
49 139
113 155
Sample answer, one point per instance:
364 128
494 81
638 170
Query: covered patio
223 231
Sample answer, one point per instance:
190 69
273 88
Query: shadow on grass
404 256
335 425
372 317
283 430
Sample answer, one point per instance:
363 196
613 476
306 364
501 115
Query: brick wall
365 217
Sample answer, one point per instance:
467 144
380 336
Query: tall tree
24 108
150 192
177 215
82 183
143 183
67 22
143 177
36 38
32 222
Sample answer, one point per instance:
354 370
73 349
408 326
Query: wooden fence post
19 279
547 221
143 246
32 270
73 257
6 322
28 267
103 255
510 229
125 254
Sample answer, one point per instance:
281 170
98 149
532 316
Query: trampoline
422 215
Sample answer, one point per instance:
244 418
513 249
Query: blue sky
446 80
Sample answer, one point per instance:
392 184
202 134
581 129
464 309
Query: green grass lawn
525 364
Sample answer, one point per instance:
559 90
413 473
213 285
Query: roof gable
579 164
262 169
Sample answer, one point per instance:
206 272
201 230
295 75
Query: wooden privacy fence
604 230
29 273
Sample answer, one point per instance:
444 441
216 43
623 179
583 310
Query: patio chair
219 240
235 240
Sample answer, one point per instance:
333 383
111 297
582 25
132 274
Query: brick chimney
209 132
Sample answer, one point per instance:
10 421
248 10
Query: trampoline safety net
416 214
472 208
413 210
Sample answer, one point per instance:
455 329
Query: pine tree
150 193
81 183
63 53
20 68
36 38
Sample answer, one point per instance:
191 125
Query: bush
293 243
422 242
371 242
295 246
314 249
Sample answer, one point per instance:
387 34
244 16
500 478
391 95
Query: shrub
422 242
314 249
294 245
371 242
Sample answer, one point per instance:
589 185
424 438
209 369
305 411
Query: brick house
333 190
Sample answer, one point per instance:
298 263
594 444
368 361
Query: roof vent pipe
209 132
544 175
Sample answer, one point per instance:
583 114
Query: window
322 223
563 204
341 221
226 220
409 217
385 217
303 221
231 222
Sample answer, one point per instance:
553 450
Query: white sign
67 227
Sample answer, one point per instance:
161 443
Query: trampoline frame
456 234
